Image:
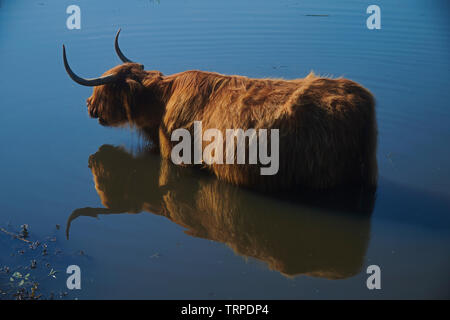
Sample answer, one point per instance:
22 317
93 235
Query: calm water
196 237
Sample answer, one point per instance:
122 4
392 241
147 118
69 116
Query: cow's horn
87 82
118 51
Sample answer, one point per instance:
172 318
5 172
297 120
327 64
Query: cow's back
327 128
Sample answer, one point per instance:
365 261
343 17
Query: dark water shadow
293 234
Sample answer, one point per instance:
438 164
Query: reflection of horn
291 237
86 212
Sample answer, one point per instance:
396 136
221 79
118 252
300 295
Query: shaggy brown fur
291 238
327 127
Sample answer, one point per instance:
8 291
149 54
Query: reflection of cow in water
291 238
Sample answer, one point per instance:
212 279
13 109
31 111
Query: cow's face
122 94
123 181
121 101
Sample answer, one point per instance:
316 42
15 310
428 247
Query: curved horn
118 51
87 82
87 212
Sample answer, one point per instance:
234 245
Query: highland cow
327 127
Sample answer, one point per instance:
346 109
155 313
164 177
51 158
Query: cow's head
120 93
124 181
